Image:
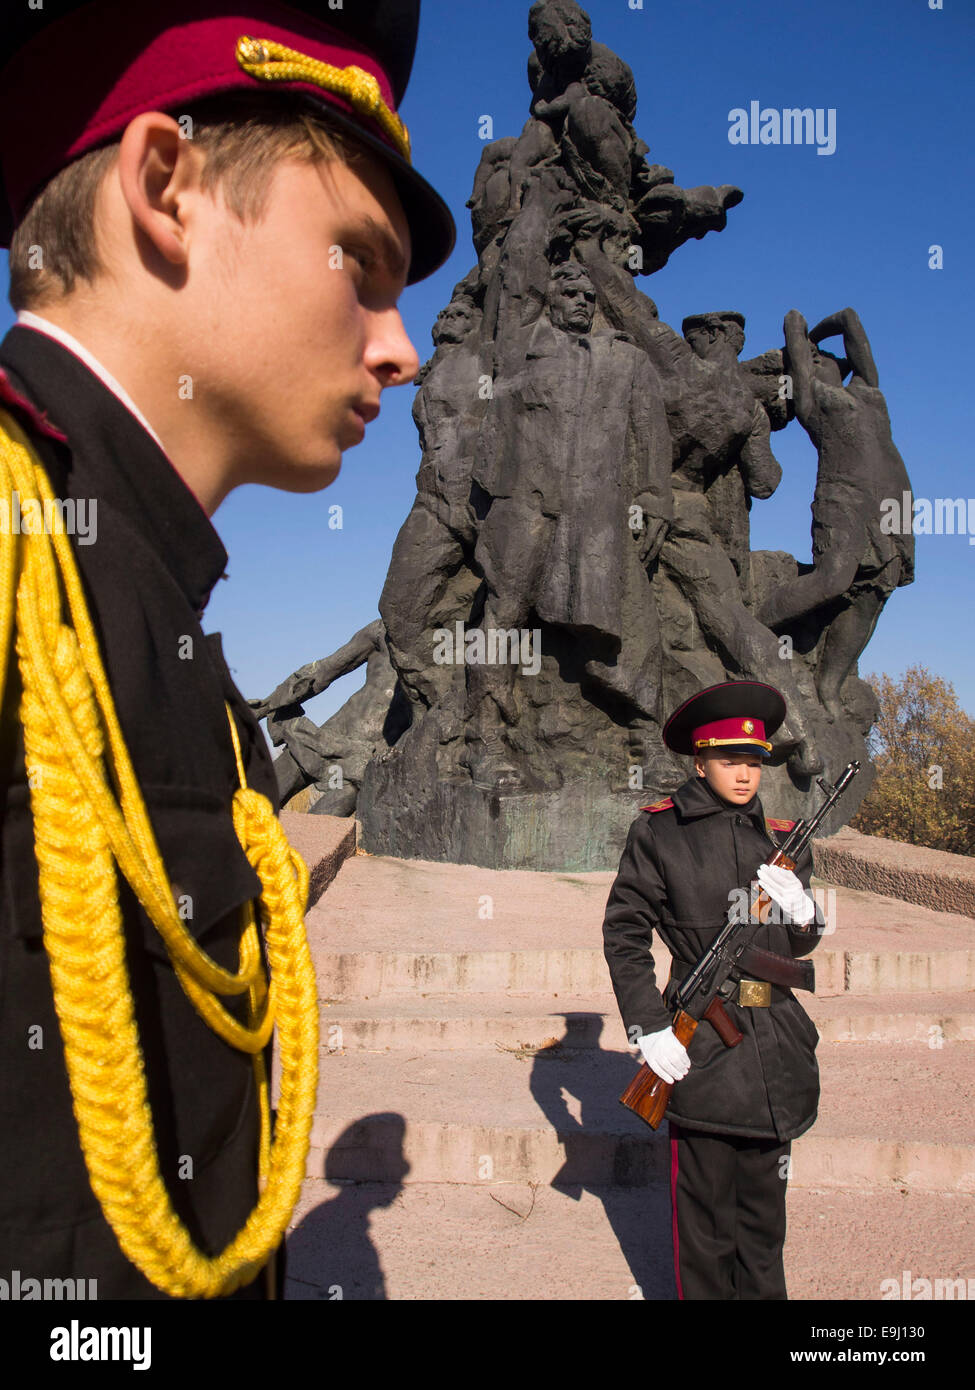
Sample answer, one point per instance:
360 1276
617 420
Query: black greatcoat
147 577
675 876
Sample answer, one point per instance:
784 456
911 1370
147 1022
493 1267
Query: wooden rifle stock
648 1095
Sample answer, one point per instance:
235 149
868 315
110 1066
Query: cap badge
273 62
748 727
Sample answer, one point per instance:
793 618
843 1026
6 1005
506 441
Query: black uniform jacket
147 576
675 877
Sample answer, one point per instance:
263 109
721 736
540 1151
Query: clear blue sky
814 232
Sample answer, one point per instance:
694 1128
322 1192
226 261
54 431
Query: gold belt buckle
754 994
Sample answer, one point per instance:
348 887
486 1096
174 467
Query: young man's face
295 330
734 776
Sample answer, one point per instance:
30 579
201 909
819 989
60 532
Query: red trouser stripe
673 1203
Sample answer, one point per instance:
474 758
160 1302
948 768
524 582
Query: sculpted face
558 31
718 340
572 303
453 323
734 776
827 369
734 336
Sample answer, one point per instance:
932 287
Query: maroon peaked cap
74 74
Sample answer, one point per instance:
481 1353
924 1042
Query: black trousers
728 1196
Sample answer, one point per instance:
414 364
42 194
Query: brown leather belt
784 971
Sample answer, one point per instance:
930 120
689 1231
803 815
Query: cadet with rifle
749 1084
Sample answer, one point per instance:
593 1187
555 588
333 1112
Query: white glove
784 888
665 1055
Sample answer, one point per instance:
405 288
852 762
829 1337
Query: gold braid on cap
273 62
721 742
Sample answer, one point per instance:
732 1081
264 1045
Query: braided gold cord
80 834
274 62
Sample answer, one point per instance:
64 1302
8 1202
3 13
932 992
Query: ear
157 167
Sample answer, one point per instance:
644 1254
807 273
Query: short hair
242 135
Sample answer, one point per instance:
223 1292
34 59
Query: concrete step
891 1115
918 875
480 1117
350 975
931 1018
324 842
346 975
467 1157
375 901
512 1241
438 1022
397 925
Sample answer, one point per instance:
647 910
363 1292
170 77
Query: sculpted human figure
597 138
553 547
720 428
714 418
583 105
562 37
718 339
855 563
490 202
421 589
347 740
669 216
587 475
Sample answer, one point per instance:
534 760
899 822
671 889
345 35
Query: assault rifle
697 996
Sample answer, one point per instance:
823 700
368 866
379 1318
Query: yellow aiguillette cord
81 833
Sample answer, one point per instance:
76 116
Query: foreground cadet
737 1108
211 215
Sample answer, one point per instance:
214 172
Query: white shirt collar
31 320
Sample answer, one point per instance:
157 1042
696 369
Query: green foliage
923 747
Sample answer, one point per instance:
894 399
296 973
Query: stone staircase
468 1141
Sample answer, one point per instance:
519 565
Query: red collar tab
19 405
664 805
